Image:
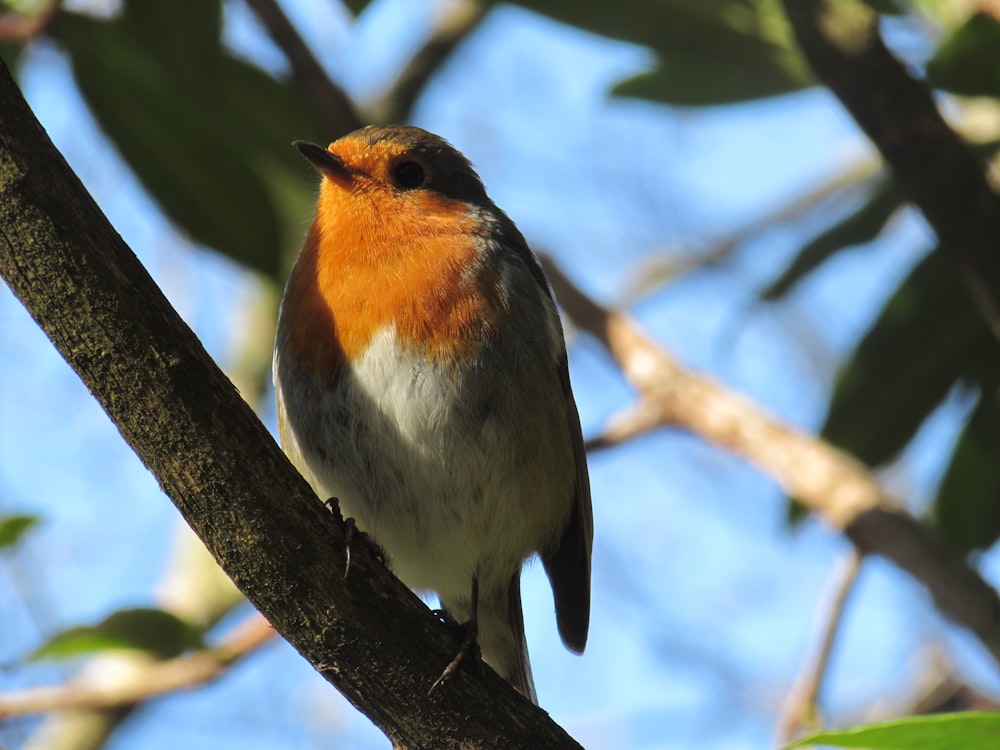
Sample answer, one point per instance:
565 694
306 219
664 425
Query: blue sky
703 600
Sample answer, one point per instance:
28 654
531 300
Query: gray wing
568 564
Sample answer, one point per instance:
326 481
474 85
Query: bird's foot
468 648
352 535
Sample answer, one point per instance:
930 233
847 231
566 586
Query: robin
421 379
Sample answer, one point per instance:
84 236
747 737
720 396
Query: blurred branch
663 267
931 164
195 589
932 686
634 421
328 102
801 707
141 682
368 635
453 26
823 478
828 481
17 27
945 692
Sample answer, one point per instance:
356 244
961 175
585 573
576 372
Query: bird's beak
326 162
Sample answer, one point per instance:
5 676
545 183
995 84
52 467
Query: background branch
454 24
142 681
801 707
328 101
368 635
636 420
831 483
194 589
931 164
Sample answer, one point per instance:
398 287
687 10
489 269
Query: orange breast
408 264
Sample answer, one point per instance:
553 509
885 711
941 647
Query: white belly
448 470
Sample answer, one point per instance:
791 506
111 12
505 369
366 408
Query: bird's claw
353 533
467 649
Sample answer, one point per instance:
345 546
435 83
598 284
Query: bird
421 379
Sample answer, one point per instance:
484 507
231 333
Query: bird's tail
501 633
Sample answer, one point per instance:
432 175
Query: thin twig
452 27
328 102
801 706
664 266
142 682
634 421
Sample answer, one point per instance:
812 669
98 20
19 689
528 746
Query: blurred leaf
887 7
204 132
927 338
12 528
270 115
182 36
22 7
356 6
152 630
683 81
10 53
957 731
710 52
860 227
967 62
967 506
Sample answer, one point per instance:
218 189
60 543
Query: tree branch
931 164
457 22
828 481
328 102
142 682
194 588
800 709
633 421
368 635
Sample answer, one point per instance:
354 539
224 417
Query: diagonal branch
328 102
831 483
931 164
368 635
454 25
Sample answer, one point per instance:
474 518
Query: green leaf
928 337
183 36
862 226
208 135
270 115
967 506
710 52
356 6
689 81
12 528
968 61
958 731
10 53
887 7
152 630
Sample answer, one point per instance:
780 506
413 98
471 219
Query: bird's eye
408 175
